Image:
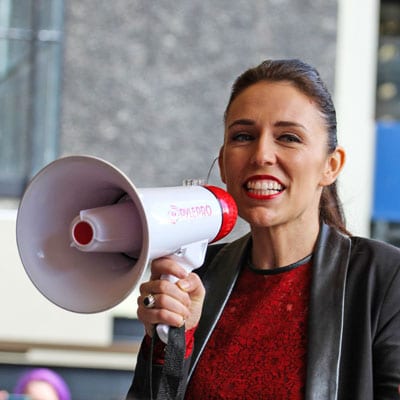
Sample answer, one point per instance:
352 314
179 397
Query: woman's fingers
164 302
167 288
164 309
193 286
161 316
195 289
166 266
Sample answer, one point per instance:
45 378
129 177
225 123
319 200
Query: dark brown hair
306 79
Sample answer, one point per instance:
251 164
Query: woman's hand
175 304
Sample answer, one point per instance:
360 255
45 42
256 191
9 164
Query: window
386 206
30 71
388 82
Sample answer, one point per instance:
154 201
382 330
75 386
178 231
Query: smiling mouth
263 187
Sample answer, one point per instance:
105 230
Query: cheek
311 173
231 170
307 163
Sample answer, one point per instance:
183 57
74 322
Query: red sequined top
258 349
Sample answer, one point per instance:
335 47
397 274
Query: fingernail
184 285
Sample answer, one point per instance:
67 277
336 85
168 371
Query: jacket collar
330 262
325 323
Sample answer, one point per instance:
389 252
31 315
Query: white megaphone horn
85 234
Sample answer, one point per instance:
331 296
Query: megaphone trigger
189 257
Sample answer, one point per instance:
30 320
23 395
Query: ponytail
331 210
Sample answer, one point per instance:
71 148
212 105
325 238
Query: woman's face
274 159
40 390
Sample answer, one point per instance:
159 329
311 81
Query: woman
43 384
298 308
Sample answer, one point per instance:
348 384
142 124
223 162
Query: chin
259 221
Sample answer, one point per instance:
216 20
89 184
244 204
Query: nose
264 152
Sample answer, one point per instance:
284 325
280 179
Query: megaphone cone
71 204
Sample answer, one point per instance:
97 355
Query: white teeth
264 187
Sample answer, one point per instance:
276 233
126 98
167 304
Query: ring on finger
149 301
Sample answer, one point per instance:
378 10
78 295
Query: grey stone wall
146 81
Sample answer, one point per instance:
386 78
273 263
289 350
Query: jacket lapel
219 280
325 328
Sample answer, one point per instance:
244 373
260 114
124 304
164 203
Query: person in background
43 384
297 309
3 395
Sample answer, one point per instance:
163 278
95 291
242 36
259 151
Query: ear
334 164
221 164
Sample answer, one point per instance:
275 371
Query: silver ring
149 301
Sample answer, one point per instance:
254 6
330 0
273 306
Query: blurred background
143 84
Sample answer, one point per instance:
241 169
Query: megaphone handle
189 257
162 329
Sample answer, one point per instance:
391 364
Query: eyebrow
290 123
241 122
278 123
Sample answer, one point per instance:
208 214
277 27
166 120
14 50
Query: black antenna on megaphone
86 234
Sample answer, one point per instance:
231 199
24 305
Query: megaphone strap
172 382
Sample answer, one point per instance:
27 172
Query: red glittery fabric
258 349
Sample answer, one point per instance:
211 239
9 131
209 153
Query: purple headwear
44 375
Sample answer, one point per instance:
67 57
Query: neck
279 246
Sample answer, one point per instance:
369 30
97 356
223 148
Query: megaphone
86 234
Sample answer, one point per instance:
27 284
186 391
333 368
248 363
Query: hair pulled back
306 79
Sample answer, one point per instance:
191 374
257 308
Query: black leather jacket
354 317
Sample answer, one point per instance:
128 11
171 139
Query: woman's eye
241 137
289 138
